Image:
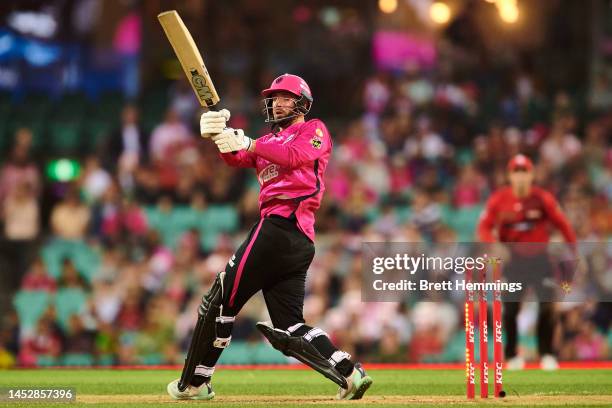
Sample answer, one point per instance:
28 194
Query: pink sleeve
239 159
309 144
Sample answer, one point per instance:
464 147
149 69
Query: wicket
483 331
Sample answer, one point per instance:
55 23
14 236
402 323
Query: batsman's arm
312 141
240 158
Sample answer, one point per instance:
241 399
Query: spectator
69 218
20 214
561 145
38 278
128 145
79 339
20 168
94 180
168 137
426 143
470 188
46 341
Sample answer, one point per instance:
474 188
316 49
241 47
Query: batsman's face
521 180
283 104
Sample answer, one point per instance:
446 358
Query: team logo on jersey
268 173
316 142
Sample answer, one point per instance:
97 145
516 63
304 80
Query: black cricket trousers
274 259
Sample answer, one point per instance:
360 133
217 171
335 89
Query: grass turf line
291 388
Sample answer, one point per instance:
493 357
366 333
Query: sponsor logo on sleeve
317 141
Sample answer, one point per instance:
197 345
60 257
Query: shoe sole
363 387
195 397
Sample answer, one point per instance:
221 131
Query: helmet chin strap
284 123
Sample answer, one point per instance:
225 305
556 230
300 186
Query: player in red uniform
524 213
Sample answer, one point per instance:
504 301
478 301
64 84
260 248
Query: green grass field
291 388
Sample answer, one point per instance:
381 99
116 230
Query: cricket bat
188 55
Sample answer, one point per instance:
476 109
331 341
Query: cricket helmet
294 85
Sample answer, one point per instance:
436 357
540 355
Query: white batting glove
232 140
213 122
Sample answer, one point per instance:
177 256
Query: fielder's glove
232 140
213 122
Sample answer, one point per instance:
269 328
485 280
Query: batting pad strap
293 328
314 332
223 331
204 371
338 356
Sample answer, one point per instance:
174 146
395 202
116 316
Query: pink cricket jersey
290 166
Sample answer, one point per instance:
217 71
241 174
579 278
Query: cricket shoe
203 392
515 363
358 383
549 363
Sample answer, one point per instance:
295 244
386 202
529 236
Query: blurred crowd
113 271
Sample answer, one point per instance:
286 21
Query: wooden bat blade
188 55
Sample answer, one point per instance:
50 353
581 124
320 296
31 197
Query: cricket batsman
290 163
523 213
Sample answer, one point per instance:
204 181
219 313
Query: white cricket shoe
203 392
358 383
515 363
549 362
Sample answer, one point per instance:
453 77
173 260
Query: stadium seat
65 137
43 360
69 301
152 359
464 221
216 219
105 360
243 352
165 224
85 259
97 134
454 350
53 254
30 306
77 360
222 218
403 214
264 353
236 353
